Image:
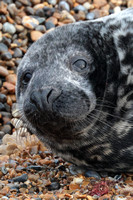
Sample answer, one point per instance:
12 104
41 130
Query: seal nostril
43 99
51 95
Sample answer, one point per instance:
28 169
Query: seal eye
79 65
26 78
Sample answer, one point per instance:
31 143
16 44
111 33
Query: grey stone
2 107
17 53
90 16
80 8
54 186
21 178
6 55
41 28
49 25
6 129
9 28
29 10
53 2
3 47
3 98
92 174
63 5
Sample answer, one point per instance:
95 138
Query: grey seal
75 91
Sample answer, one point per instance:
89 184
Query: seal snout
43 99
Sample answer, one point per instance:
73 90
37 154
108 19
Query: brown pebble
53 20
11 78
9 19
10 87
100 3
9 100
36 1
38 6
35 35
29 22
80 1
5 190
106 196
10 63
13 97
13 45
56 15
3 71
130 3
33 177
19 28
73 186
3 8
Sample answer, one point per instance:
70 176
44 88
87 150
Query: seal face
75 91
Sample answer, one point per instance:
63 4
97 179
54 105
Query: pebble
6 41
6 114
40 12
0 35
1 134
100 3
87 5
35 167
41 28
35 35
9 28
2 107
12 9
17 53
25 2
3 71
21 178
3 47
52 2
92 174
6 129
130 3
6 55
39 19
29 22
10 87
19 28
0 26
53 186
3 98
63 5
29 10
11 78
53 20
48 11
33 177
117 9
90 16
77 180
66 15
79 8
49 25
36 1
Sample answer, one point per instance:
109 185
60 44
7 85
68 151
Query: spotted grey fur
91 122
